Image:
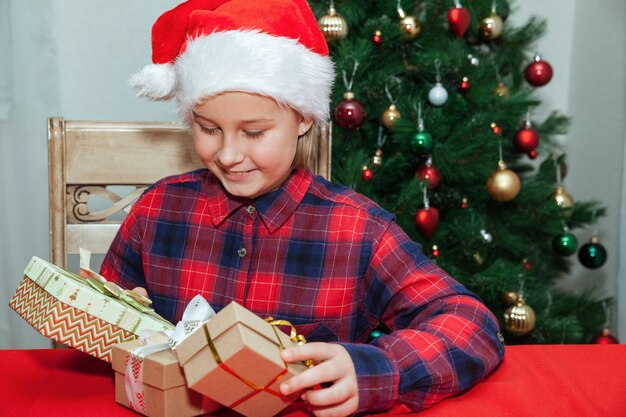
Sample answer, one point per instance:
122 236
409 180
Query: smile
237 173
238 176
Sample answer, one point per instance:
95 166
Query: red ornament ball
465 85
526 139
538 72
367 174
349 113
436 252
464 203
604 338
496 129
426 220
430 174
377 39
459 20
533 154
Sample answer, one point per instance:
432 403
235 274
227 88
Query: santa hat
274 48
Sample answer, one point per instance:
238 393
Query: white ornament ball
438 95
487 237
473 60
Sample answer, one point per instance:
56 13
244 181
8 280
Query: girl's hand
141 291
333 365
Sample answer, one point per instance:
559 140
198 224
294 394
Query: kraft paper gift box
234 358
86 314
148 372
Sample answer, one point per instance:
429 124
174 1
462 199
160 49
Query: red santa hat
202 48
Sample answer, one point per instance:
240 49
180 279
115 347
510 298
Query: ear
304 126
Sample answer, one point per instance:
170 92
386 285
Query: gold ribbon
100 284
128 297
293 335
135 300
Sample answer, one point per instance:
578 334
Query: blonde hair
307 148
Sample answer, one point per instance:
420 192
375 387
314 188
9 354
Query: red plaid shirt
327 259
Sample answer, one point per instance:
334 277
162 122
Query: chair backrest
91 164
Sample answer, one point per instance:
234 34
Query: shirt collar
274 207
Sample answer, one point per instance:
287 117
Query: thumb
141 291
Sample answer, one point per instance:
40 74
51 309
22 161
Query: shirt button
242 252
250 209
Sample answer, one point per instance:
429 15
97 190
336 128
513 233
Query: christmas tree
433 119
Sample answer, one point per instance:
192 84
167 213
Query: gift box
86 314
234 359
153 379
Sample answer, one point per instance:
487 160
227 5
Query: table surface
533 380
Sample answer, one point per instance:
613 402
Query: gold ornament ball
520 318
491 27
410 27
510 297
378 157
501 90
563 199
333 26
503 184
478 258
390 117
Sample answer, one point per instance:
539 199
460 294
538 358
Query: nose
231 152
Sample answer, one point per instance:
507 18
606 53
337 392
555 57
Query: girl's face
247 141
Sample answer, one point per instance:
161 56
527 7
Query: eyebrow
197 116
263 120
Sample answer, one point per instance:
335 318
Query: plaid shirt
327 259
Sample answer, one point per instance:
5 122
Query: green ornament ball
592 255
375 333
565 244
422 142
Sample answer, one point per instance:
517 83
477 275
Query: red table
533 380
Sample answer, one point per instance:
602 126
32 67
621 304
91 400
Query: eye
209 130
254 133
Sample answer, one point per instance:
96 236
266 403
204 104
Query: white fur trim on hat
246 61
155 81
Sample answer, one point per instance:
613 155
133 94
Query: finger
339 392
83 274
319 374
319 352
339 410
141 291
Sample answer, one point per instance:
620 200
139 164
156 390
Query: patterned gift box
86 314
234 358
150 381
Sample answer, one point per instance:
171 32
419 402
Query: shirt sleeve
123 262
443 340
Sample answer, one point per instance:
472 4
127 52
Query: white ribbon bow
197 312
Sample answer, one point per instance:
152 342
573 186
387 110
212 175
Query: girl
251 78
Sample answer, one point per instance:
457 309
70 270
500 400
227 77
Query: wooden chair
90 161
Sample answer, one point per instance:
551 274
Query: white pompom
155 81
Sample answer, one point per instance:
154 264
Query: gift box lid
93 297
231 315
